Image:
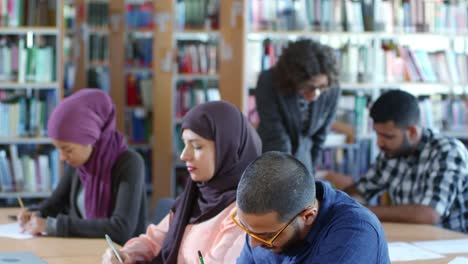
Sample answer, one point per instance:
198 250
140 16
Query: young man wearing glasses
297 99
290 218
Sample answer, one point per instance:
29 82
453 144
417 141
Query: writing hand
24 217
35 226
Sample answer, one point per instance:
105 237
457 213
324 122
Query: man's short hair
398 106
276 182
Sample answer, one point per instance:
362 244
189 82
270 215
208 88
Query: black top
281 127
128 218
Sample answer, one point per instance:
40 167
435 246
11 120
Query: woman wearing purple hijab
219 144
102 190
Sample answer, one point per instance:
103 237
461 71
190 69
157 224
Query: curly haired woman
297 100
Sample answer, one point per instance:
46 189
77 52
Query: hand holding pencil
24 216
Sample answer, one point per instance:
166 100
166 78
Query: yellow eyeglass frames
268 243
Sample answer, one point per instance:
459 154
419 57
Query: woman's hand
35 226
24 217
109 258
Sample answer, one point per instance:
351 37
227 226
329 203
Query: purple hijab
88 117
237 144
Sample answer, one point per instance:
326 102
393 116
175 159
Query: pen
200 257
21 203
111 245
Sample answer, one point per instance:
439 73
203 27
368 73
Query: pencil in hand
21 203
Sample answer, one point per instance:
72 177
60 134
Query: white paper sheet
401 251
444 246
13 230
459 260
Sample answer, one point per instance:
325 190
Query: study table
84 250
54 249
396 232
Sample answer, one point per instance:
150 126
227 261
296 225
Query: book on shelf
139 51
146 154
21 13
351 159
23 63
98 14
139 90
98 48
197 57
69 11
197 14
98 77
139 15
25 115
192 93
28 168
402 63
138 127
359 16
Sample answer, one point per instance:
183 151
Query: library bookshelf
31 75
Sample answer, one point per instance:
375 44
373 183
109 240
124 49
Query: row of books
362 62
98 77
139 90
191 93
197 57
138 125
16 13
98 14
140 16
196 14
146 153
98 48
24 168
22 63
358 16
444 113
23 115
139 51
68 78
69 12
355 61
401 63
352 159
353 109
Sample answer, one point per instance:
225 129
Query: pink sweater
218 239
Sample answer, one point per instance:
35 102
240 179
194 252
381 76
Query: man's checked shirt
435 175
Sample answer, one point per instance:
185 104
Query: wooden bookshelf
14 195
38 36
233 34
25 140
29 85
163 92
165 158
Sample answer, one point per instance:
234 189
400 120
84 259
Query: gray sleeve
51 226
319 138
271 127
60 198
129 172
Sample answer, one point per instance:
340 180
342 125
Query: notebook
20 258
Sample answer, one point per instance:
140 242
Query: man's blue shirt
343 232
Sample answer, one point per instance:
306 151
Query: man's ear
413 133
309 215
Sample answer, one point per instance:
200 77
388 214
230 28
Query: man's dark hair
398 106
275 182
303 59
